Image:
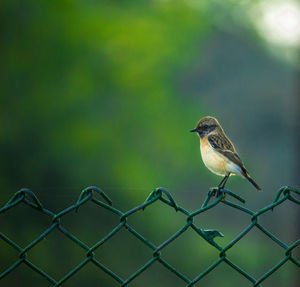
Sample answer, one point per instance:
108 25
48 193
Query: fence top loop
33 197
158 194
16 199
170 200
21 195
285 190
88 193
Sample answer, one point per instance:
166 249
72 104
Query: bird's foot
220 192
213 191
217 191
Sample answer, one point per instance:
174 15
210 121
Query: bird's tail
252 181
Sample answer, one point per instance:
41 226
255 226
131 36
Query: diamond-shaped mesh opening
286 275
21 231
123 253
157 222
61 254
259 253
91 276
157 275
287 213
227 220
22 275
223 275
90 222
197 253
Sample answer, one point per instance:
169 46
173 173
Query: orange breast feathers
213 160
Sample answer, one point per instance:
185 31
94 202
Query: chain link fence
101 200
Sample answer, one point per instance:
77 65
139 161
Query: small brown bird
218 153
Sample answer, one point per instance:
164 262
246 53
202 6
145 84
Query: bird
218 153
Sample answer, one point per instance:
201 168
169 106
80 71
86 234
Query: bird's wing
223 145
221 142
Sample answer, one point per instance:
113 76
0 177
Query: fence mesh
99 198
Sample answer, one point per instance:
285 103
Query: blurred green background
105 92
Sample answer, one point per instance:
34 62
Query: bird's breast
213 160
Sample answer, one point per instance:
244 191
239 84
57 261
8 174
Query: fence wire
98 197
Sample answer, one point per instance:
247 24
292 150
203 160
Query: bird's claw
217 191
213 191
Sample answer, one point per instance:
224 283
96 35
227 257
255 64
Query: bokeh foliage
92 85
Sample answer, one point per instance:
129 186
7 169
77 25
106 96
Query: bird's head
206 126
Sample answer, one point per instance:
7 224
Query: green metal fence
99 198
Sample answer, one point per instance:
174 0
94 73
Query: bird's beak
194 130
